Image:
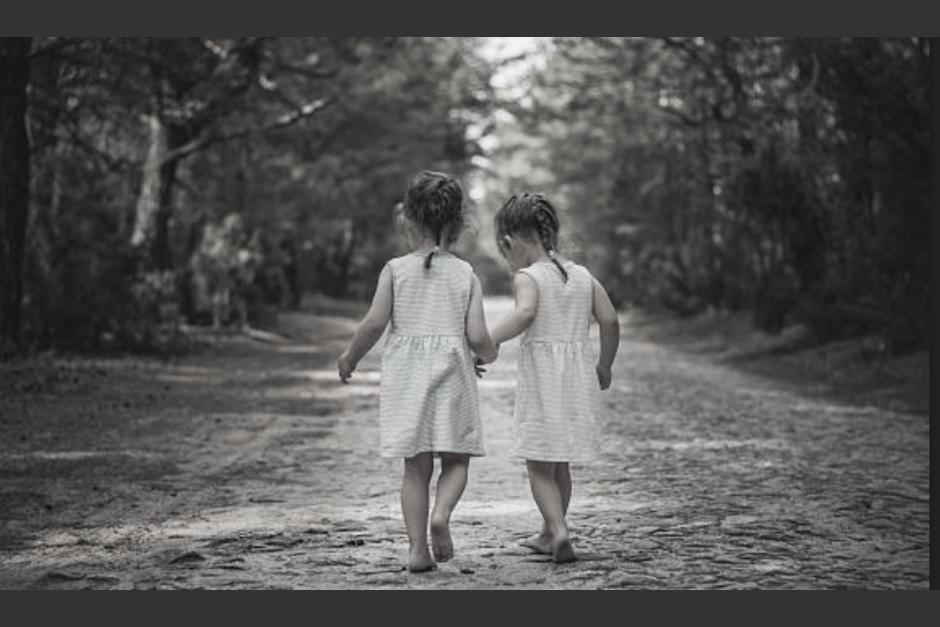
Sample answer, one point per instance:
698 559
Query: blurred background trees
787 177
215 181
168 172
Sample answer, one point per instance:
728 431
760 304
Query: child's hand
478 363
603 376
345 366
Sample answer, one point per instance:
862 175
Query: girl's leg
563 478
414 506
548 497
450 487
542 542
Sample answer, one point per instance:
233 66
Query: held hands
345 366
478 364
603 376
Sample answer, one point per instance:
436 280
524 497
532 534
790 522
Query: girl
428 397
554 301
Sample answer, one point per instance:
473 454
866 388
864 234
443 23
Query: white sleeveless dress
556 394
428 397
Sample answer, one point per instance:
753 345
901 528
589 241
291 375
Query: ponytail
436 249
554 257
547 227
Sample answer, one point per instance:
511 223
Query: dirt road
249 466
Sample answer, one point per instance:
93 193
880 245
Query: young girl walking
428 396
555 300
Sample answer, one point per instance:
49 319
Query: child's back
428 400
555 300
430 301
555 399
432 304
564 313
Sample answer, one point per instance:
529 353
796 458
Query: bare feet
541 543
441 543
420 560
562 551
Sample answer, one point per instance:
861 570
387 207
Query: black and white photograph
516 313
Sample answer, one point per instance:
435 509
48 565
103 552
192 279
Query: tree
14 185
197 85
787 177
140 146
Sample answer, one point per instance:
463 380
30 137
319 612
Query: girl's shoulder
579 269
447 260
400 259
452 262
458 261
462 268
534 269
395 264
541 270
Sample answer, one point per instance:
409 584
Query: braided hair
531 213
434 201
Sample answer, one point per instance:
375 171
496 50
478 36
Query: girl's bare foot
420 560
441 543
541 543
562 551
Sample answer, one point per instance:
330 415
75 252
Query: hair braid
437 247
546 221
530 214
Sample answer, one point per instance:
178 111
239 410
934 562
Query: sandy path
248 466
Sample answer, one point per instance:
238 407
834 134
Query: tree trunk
160 251
154 201
148 199
48 156
14 185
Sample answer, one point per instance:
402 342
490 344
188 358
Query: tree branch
208 139
306 72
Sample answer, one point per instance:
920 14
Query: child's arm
606 316
371 327
527 304
477 336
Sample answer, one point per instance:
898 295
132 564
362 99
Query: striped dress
428 397
554 418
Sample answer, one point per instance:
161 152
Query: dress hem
435 452
569 459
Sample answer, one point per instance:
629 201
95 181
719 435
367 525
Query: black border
471 18
480 17
934 310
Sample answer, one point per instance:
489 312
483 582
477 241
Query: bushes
84 290
89 289
785 177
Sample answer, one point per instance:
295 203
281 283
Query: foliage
784 176
145 150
